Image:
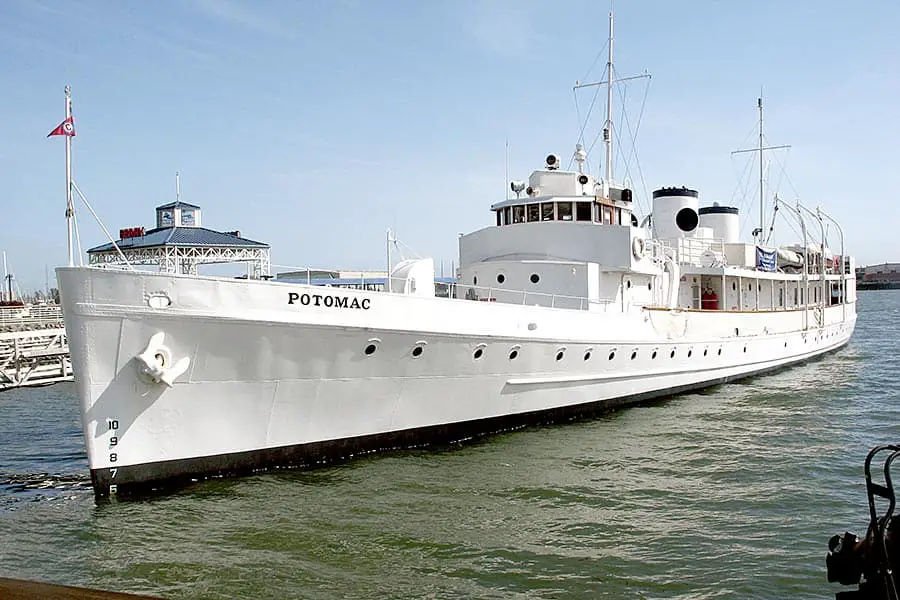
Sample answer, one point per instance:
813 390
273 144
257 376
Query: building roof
183 237
177 203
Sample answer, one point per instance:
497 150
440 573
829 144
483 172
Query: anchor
155 363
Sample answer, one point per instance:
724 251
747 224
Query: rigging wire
633 152
583 125
587 119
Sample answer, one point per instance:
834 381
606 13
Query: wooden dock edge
20 589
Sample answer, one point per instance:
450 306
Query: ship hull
280 375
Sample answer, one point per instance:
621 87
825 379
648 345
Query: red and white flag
67 127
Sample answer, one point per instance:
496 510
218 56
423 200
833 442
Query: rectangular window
598 213
607 215
499 218
564 211
507 215
582 211
534 212
547 211
518 214
618 220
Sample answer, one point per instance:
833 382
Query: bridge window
518 214
582 211
499 218
534 212
564 211
547 211
506 215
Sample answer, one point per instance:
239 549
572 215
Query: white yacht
566 304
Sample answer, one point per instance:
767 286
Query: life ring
637 248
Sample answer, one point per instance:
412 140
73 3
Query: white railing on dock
34 357
18 318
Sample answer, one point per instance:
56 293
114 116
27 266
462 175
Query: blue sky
316 125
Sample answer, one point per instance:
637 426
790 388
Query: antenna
761 149
506 179
177 187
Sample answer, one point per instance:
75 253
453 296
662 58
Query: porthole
501 277
690 352
653 356
612 355
650 286
479 352
513 354
628 284
475 280
535 278
785 344
672 353
587 355
370 349
737 332
749 287
734 286
705 351
559 355
633 354
745 348
417 351
719 352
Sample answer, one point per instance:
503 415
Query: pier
20 589
33 347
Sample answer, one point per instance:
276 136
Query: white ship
565 305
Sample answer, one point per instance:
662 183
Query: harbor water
728 493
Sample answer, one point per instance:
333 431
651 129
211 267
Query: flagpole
70 208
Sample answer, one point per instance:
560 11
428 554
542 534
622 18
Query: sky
317 125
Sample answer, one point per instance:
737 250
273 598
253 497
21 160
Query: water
730 493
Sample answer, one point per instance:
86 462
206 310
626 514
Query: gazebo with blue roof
178 244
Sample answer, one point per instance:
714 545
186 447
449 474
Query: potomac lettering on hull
328 300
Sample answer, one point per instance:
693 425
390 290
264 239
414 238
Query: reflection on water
732 492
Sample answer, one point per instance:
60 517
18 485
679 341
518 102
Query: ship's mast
70 205
759 234
608 125
762 214
607 129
